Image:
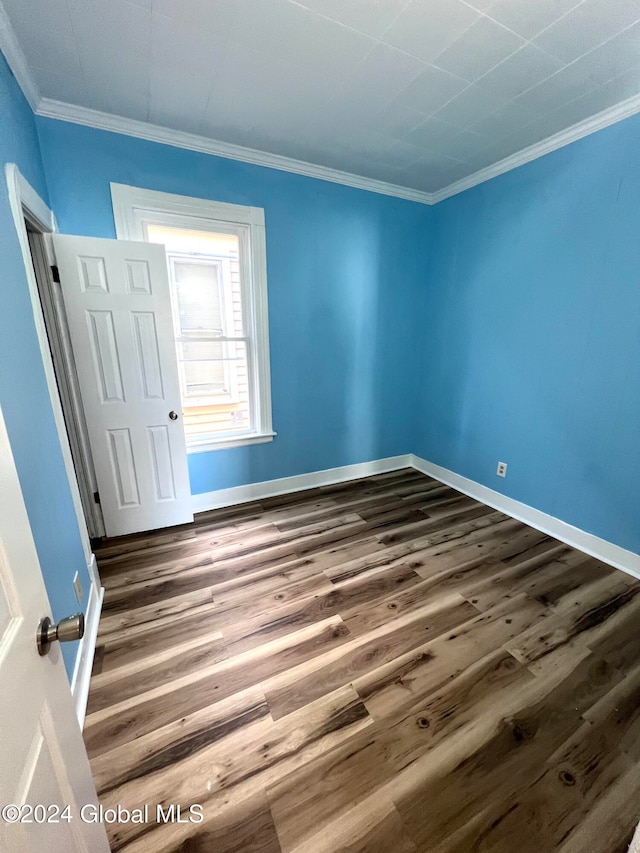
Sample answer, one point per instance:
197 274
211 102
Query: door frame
26 204
55 322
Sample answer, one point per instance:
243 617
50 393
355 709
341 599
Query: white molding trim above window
136 209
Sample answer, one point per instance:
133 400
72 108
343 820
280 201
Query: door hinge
96 497
55 273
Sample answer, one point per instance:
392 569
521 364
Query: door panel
123 467
93 275
42 756
138 277
105 356
118 306
162 468
144 324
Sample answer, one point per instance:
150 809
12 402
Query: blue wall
503 324
531 341
23 392
346 270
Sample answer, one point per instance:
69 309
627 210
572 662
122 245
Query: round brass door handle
173 416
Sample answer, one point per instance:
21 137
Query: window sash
186 303
225 378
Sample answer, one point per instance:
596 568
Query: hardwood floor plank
584 618
311 507
144 674
175 607
620 644
313 797
485 689
407 677
180 739
298 578
357 660
518 749
610 821
247 828
375 665
423 546
369 508
171 567
617 714
278 621
367 617
245 759
262 547
372 825
124 721
499 543
122 637
127 546
569 784
516 573
459 513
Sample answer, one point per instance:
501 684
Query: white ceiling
419 93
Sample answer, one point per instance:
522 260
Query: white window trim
134 208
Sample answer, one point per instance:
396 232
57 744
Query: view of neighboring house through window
211 346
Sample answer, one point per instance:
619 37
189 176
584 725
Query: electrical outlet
502 469
77 585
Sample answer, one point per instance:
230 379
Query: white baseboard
614 555
92 571
84 660
285 485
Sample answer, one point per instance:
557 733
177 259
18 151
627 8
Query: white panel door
117 299
44 765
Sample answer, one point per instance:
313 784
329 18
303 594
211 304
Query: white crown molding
143 130
614 114
155 133
166 136
17 62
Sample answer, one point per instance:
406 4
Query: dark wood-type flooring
383 665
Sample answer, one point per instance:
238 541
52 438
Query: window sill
204 445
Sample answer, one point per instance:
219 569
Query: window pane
203 368
222 248
198 289
219 411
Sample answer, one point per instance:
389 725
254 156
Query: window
208 319
217 275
